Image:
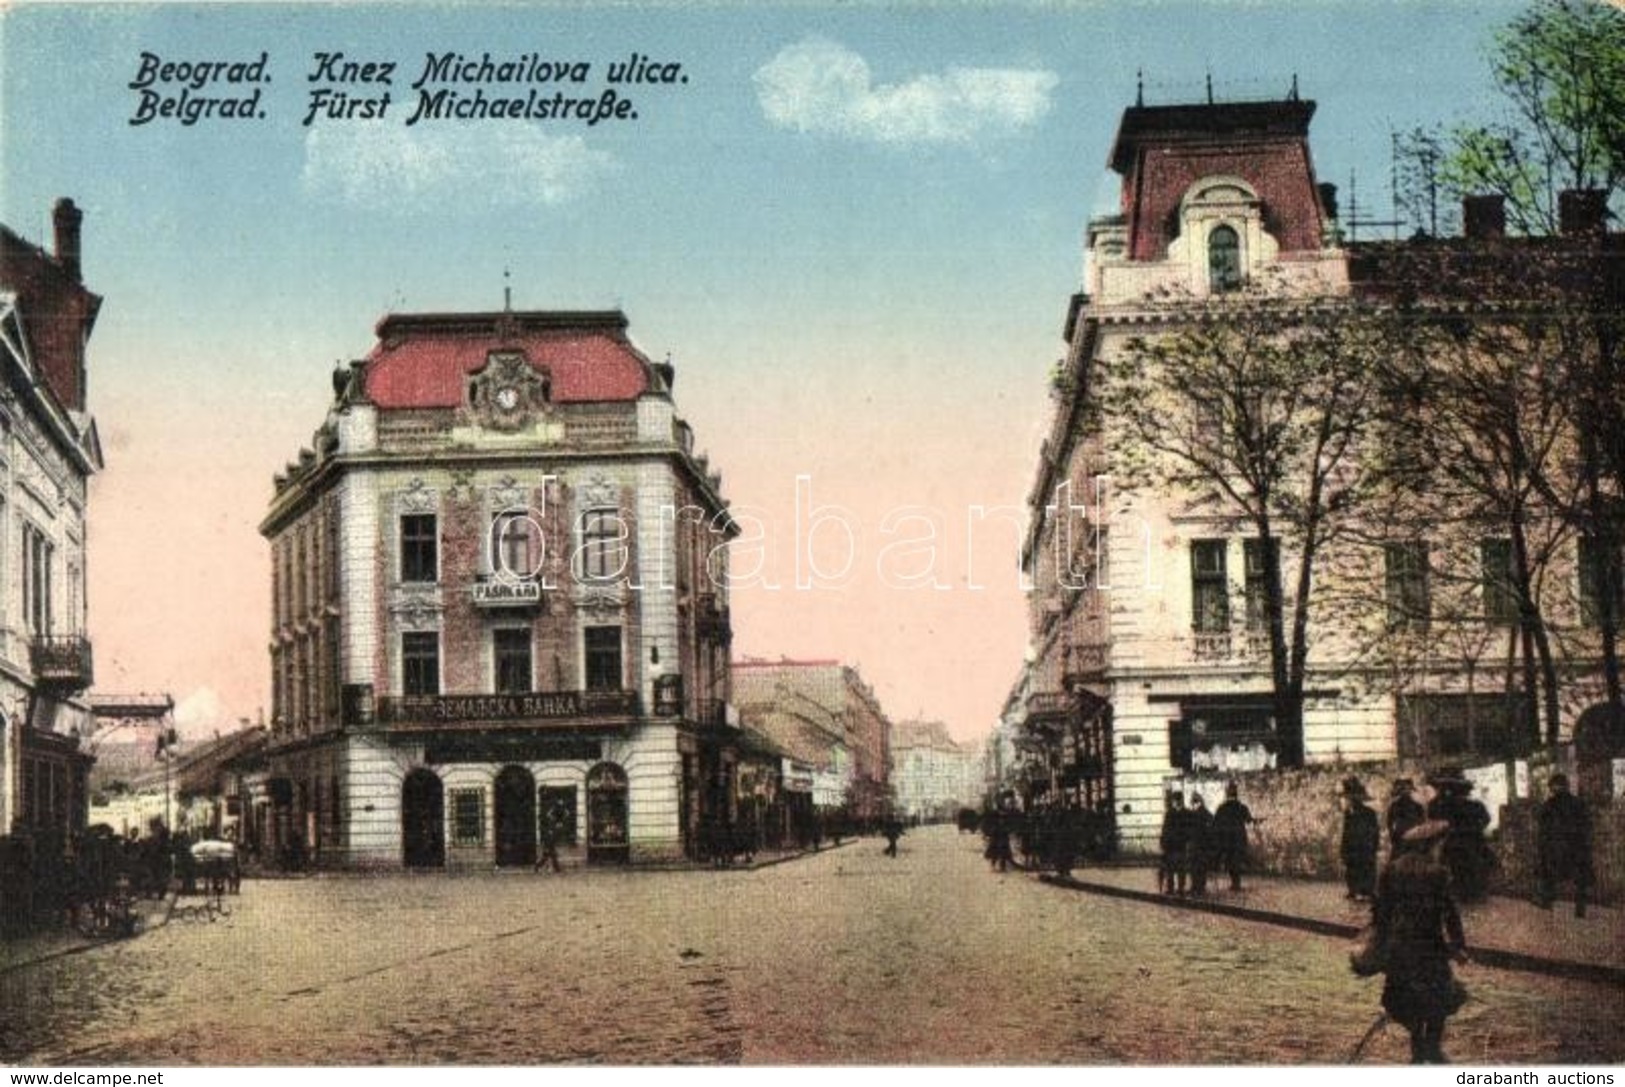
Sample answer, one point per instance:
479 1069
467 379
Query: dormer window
1221 241
1223 259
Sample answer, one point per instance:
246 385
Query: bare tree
1256 404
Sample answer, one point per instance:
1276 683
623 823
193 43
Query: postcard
924 534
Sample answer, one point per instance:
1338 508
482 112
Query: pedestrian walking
1404 811
1465 853
1360 842
1198 838
1229 835
553 823
1172 873
1564 839
891 829
996 825
1420 930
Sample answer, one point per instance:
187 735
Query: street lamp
167 739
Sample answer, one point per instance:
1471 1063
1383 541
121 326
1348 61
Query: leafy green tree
1560 71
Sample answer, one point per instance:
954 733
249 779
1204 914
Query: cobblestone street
845 957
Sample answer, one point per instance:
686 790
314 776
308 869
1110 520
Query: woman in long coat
1421 929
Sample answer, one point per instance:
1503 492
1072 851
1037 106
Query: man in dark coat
1361 840
1199 834
891 829
553 824
1565 845
1229 836
1421 931
1173 840
1466 854
1404 812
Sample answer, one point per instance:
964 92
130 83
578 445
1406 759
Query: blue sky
854 228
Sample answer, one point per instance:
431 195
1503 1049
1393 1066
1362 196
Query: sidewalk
39 947
1507 933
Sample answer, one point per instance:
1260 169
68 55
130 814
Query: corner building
49 449
1149 666
499 588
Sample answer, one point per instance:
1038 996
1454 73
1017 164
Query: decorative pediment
509 494
600 491
601 600
416 498
508 392
416 608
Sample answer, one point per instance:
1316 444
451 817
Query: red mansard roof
424 360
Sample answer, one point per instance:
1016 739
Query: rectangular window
603 658
1496 574
1600 579
37 559
468 816
420 663
510 649
1210 589
603 548
1405 572
1459 726
515 545
420 548
1254 555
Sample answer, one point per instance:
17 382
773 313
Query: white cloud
494 163
199 712
821 86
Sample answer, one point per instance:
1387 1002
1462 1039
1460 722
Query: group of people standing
1195 842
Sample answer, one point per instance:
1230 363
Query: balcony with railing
1049 706
62 662
1238 647
563 711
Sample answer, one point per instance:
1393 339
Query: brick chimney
1582 211
67 218
1328 199
1484 216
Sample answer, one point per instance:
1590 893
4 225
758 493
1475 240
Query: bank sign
452 709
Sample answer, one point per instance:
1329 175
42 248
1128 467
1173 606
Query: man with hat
1466 854
1198 834
1230 822
1174 841
1404 812
1565 845
1360 841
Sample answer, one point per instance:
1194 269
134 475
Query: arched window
1223 259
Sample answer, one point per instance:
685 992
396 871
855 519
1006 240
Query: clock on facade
507 398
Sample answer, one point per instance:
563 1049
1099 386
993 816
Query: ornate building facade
48 451
1150 661
499 596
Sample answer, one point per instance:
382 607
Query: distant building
499 585
839 691
812 737
48 451
934 775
